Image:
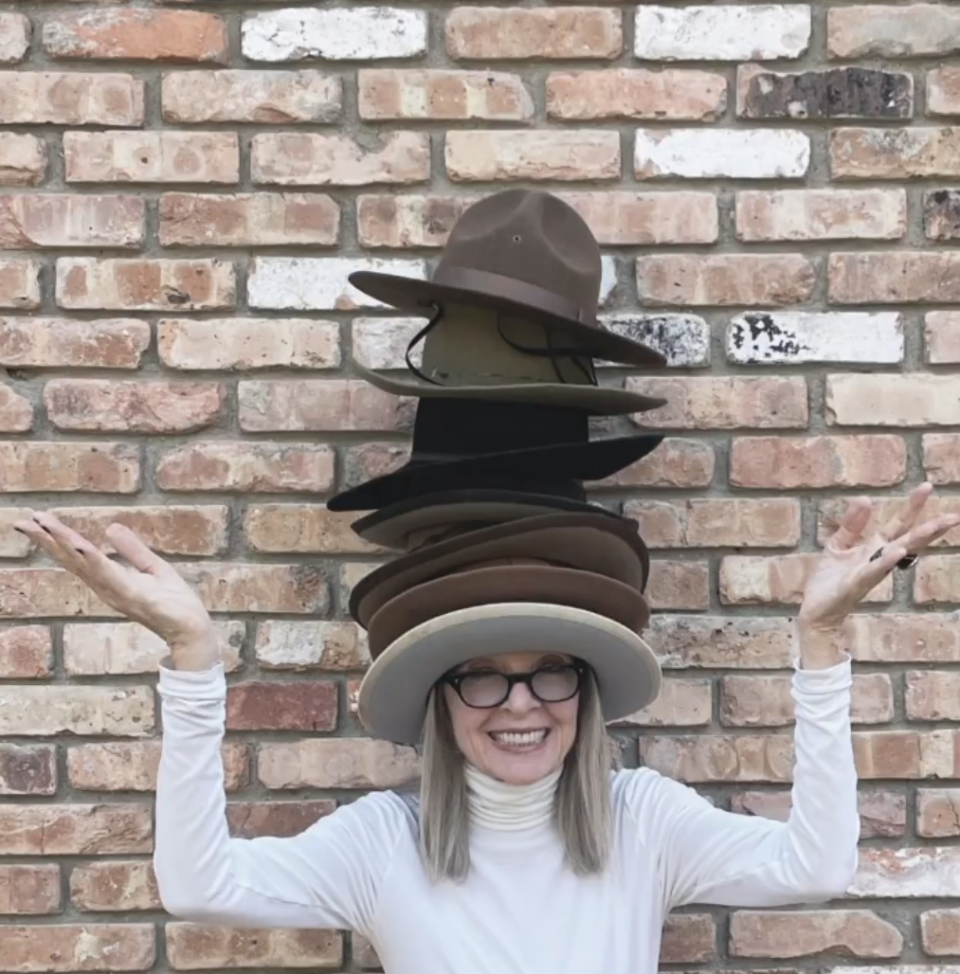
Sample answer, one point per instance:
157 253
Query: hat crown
530 236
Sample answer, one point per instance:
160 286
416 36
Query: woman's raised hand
854 563
146 589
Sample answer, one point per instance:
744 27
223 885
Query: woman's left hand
852 564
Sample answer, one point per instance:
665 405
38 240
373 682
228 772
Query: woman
528 855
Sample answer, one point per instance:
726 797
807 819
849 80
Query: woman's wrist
821 647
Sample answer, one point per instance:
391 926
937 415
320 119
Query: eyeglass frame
456 679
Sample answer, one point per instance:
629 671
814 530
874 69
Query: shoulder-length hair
581 813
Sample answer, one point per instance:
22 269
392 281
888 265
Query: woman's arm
709 855
326 877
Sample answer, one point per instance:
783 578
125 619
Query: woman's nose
520 699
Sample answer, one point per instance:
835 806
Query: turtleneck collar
496 805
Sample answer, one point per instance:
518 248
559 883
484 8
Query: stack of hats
497 547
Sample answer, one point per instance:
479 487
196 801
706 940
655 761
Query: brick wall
184 191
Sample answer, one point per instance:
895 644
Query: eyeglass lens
549 685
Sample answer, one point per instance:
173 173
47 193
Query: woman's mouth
519 740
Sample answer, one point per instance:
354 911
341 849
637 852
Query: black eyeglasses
489 688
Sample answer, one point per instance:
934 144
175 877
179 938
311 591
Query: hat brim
391 526
592 460
393 693
506 584
599 400
414 294
608 546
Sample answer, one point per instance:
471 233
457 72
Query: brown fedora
527 582
483 354
527 253
608 546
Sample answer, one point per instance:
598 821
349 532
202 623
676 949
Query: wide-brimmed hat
463 443
393 693
405 524
525 252
524 581
607 546
472 352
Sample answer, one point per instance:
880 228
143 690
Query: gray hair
582 807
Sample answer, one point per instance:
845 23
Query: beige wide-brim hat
394 692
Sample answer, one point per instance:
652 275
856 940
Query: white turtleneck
521 910
497 805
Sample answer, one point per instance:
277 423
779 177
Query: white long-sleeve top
520 911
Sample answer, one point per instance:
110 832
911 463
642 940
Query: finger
854 522
906 517
131 547
41 535
925 534
65 538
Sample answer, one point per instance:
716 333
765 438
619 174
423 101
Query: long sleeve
326 877
709 855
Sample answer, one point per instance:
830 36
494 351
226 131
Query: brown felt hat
393 694
525 253
598 543
525 580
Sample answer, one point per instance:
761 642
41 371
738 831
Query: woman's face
523 739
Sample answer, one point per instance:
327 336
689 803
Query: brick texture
185 188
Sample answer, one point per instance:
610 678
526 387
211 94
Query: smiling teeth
519 740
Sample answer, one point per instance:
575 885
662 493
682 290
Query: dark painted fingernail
20 530
80 550
876 554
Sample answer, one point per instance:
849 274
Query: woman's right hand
147 589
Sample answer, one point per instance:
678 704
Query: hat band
513 290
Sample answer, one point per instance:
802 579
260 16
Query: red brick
319 404
28 770
546 154
248 343
888 754
19 279
58 949
247 467
23 160
248 220
249 820
26 653
722 758
941 457
112 468
333 762
486 34
688 938
137 34
442 95
725 279
132 766
943 91
235 587
681 703
30 889
114 343
70 98
13 544
636 93
43 711
894 277
788 463
938 813
717 523
311 159
679 585
145 284
932 695
109 405
261 97
940 932
114 886
194 947
894 153
755 643
299 706
853 933
942 338
76 829
16 411
676 462
905 399
151 157
29 222
724 402
777 580
301 528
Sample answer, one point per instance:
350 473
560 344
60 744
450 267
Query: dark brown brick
282 706
28 770
941 214
248 820
837 93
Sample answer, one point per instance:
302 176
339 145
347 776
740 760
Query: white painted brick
721 153
14 37
318 283
800 337
918 872
683 339
380 343
335 34
749 32
608 279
